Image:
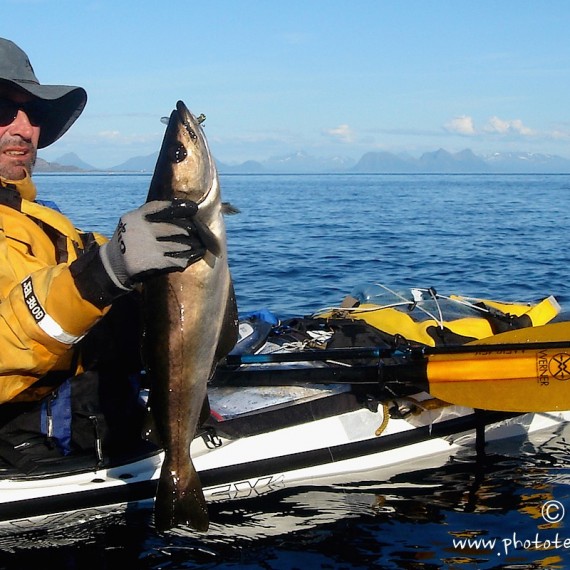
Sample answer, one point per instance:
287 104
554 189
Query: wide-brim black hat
64 103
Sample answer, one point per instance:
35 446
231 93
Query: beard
15 166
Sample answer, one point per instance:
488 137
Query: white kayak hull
343 447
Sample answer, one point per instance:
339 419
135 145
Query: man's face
19 134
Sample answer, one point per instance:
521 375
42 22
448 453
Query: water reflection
409 521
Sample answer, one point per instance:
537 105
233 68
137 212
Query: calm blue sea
301 243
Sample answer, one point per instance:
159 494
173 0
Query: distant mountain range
439 161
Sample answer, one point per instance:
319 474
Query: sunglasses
35 110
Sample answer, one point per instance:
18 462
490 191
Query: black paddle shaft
408 372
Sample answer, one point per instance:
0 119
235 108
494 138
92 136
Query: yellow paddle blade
522 380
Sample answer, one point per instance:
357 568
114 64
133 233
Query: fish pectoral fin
205 412
230 326
228 209
208 238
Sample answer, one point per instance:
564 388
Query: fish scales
190 321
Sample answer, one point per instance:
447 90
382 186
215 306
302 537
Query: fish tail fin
180 501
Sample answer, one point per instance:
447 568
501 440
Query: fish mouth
178 152
188 121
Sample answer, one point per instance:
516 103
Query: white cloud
342 133
502 127
462 125
465 125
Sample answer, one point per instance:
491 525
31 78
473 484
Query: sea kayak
260 438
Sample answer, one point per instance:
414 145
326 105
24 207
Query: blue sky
325 77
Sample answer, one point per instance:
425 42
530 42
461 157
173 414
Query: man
56 283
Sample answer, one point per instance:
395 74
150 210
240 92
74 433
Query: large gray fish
190 320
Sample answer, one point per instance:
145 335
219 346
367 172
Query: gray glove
158 237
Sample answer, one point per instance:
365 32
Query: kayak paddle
525 370
530 374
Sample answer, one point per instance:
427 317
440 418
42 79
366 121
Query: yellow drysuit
43 314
